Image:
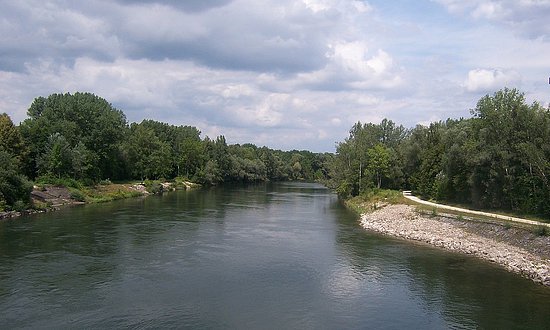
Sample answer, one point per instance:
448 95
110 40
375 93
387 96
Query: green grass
108 193
373 199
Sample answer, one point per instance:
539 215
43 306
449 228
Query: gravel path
518 250
407 194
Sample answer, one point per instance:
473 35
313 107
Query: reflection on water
257 256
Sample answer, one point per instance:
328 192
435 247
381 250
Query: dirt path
407 194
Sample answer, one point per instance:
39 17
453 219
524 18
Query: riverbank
518 250
47 197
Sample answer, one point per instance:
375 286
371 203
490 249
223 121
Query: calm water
274 256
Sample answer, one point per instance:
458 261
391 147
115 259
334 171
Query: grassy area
104 193
374 199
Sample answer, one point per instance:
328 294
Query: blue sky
286 74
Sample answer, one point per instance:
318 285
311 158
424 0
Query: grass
374 199
108 193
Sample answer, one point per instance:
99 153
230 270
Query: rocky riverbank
518 250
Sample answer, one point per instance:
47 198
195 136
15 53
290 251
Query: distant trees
81 136
499 158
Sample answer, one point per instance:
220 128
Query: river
267 256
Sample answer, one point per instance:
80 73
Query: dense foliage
14 187
498 159
82 137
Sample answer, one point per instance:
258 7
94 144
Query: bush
78 195
38 205
60 182
20 206
154 188
541 230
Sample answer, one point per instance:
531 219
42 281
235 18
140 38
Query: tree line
497 159
83 137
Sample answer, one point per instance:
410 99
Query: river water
270 256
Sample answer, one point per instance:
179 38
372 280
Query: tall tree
378 163
82 117
11 140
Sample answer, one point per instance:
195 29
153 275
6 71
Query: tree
148 157
82 117
11 140
56 158
84 163
378 163
14 187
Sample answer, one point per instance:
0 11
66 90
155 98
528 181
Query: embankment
518 250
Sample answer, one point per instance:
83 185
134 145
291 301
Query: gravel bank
518 250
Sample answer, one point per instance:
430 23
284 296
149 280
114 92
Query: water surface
270 256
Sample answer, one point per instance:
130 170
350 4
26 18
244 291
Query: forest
498 159
83 137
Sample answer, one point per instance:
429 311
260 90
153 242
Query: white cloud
490 10
483 80
289 74
528 17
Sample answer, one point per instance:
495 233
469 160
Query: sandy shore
518 250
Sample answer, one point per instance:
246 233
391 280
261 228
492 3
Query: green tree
148 157
82 117
56 158
378 163
14 187
11 140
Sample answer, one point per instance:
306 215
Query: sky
287 74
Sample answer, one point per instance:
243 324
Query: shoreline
53 197
517 250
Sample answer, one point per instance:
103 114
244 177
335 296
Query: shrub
78 195
153 187
105 182
19 206
61 182
38 205
541 230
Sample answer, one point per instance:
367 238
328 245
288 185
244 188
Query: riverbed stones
517 250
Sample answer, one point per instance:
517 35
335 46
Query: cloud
287 73
187 5
483 80
528 17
